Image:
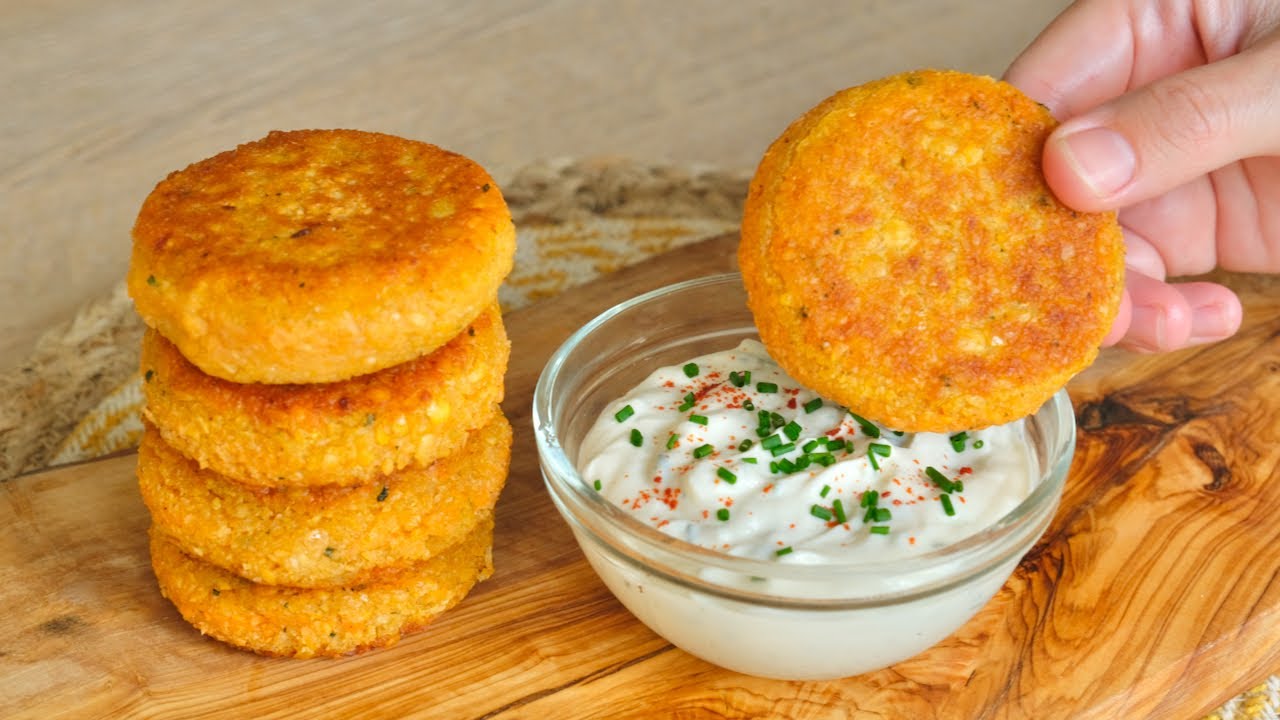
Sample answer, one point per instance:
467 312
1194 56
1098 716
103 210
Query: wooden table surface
101 100
1152 595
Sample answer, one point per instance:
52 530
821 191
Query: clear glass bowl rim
561 476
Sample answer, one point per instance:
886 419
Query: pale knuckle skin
1187 116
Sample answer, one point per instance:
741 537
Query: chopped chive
722 514
787 466
868 427
385 492
834 445
691 370
598 484
702 451
957 441
870 498
837 507
826 489
783 551
745 445
626 412
977 444
802 462
771 442
782 449
813 405
698 419
899 433
940 480
753 461
689 401
947 507
735 378
773 467
637 438
671 441
824 459
792 430
151 280
748 405
765 427
820 512
810 446
726 475
880 529
767 387
875 449
776 420
883 514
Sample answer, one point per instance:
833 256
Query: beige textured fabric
73 367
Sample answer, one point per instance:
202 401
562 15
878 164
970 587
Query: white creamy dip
730 453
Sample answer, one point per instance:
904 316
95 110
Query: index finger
1083 58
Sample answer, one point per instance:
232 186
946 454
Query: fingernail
1149 317
1210 323
1101 157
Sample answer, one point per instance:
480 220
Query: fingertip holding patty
313 256
903 255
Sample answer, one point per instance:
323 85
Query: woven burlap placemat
78 395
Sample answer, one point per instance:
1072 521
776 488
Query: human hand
1171 114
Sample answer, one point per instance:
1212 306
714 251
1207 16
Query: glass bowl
763 618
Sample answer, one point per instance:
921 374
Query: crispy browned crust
292 622
347 432
328 536
903 255
317 255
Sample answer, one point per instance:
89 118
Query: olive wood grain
1153 594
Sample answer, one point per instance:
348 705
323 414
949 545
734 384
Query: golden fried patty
317 255
284 621
903 256
347 432
327 536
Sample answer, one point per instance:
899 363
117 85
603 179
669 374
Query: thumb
1161 135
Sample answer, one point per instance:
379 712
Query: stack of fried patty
325 359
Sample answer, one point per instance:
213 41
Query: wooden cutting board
1153 594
